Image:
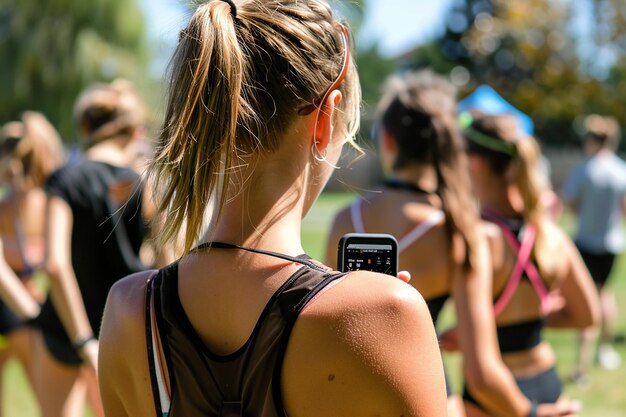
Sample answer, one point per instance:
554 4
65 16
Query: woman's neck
112 151
421 175
264 212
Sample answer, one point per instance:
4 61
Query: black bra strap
396 184
222 245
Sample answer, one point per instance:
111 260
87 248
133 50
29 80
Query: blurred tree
528 52
52 49
525 50
373 71
607 22
460 20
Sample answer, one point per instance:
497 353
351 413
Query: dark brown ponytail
419 112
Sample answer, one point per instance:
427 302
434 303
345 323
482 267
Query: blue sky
397 25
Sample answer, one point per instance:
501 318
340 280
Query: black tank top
244 383
106 236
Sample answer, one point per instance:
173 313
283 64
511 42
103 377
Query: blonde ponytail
531 189
462 215
236 84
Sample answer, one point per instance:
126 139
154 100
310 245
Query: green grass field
606 396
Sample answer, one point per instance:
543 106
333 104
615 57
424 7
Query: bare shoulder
495 240
366 346
365 291
125 388
126 301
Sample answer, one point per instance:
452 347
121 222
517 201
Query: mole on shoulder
331 377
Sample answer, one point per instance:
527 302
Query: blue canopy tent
485 99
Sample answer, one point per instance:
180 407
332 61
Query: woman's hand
404 276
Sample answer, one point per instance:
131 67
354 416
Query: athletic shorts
599 265
61 349
545 387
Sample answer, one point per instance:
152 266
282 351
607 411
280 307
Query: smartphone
368 251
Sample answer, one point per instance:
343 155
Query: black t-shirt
108 230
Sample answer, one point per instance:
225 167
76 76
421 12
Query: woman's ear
323 119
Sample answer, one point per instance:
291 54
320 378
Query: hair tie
233 7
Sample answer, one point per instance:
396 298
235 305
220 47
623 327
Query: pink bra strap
523 263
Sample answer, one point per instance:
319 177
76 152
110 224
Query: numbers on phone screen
370 259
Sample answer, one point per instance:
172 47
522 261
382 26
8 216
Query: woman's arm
64 289
366 346
486 376
123 366
581 307
13 292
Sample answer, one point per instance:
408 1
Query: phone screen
376 253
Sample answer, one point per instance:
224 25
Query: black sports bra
520 336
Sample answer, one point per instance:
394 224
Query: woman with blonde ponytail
539 278
263 96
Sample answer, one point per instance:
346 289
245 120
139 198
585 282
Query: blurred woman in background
97 214
539 278
30 149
